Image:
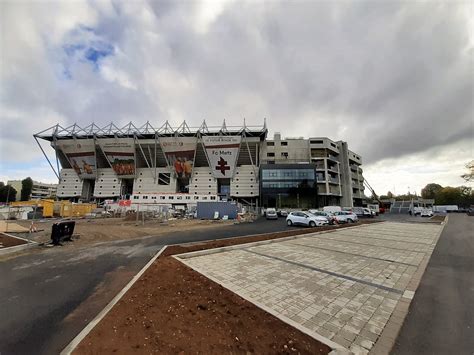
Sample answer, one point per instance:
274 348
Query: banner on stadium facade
120 152
222 153
81 155
179 152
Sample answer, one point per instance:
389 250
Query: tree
389 194
26 188
431 190
449 196
469 176
7 193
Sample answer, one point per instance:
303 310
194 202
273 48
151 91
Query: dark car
470 211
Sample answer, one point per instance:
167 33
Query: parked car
271 213
470 211
305 219
426 213
345 217
282 213
362 212
329 216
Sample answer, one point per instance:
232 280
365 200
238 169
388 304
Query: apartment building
40 190
339 179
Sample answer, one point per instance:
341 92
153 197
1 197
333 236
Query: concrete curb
77 340
334 346
16 248
386 341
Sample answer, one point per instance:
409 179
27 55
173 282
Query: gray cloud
386 77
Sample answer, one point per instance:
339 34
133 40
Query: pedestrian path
343 285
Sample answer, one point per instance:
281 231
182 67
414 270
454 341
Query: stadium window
171 197
162 197
153 197
188 197
204 197
135 197
213 197
145 197
179 197
164 178
196 197
210 186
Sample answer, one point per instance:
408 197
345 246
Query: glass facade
288 186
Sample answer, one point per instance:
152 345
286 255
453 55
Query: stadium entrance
126 189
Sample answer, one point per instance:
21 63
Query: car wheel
289 222
312 224
349 220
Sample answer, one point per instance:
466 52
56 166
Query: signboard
81 155
120 152
179 152
222 153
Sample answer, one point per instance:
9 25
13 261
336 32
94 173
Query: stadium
183 165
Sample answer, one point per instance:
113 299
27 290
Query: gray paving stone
344 284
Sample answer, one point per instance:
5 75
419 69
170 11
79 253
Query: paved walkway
343 285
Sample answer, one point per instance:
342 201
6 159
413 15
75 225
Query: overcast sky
393 79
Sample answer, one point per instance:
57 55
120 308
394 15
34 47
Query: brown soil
173 309
6 241
89 231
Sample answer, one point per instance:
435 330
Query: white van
332 209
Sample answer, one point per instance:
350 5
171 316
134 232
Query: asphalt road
441 316
49 295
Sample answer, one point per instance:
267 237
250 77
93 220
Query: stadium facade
183 165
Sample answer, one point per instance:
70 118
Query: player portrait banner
81 155
179 152
222 153
120 152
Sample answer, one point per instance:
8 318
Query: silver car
305 219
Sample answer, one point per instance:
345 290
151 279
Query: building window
284 143
270 154
270 144
284 154
163 178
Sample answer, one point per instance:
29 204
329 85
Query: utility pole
8 215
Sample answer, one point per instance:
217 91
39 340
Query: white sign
222 153
81 155
179 152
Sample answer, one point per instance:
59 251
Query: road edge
88 328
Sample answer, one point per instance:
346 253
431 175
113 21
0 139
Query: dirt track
91 231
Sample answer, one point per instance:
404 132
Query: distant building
40 190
